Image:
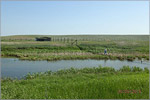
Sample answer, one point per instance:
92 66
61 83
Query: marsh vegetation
62 47
86 83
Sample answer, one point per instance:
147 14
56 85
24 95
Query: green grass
119 47
86 83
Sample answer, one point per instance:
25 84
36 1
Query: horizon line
72 34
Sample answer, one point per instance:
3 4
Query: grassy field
88 46
86 83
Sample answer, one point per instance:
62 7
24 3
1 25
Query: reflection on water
12 67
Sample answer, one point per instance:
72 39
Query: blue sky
74 17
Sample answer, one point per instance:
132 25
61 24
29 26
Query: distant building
43 39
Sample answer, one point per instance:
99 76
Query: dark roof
43 37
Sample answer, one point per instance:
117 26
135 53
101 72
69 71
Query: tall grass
119 47
86 83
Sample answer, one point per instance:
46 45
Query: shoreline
78 57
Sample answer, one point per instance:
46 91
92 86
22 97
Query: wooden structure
75 42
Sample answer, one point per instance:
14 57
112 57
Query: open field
88 46
86 83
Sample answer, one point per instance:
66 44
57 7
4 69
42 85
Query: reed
88 47
86 83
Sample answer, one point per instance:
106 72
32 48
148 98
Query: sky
74 17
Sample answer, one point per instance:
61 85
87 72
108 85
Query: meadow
126 47
87 83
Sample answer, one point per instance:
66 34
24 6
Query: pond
15 68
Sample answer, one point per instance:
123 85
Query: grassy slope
87 83
119 47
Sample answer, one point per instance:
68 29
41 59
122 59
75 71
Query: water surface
15 68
